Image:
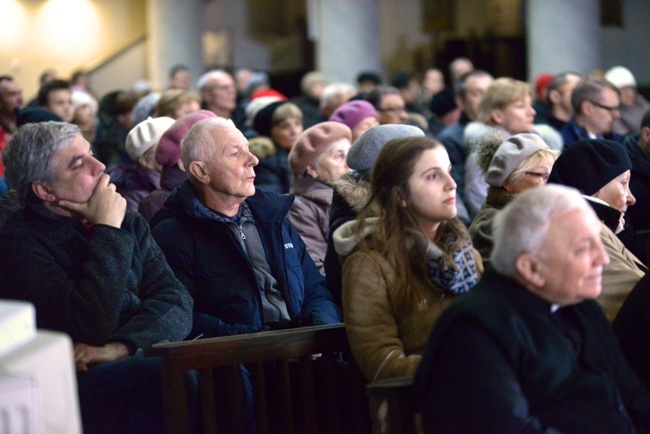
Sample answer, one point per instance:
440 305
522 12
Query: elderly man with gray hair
232 245
93 271
528 349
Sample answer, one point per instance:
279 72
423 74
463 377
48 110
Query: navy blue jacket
210 262
572 132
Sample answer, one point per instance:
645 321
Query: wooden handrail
289 351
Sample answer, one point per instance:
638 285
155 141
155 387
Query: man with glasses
595 103
389 104
219 95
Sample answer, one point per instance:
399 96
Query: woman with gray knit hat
316 160
510 166
600 169
352 190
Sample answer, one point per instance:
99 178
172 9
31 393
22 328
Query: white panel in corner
17 324
47 360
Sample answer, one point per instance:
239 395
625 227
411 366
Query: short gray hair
199 144
521 226
28 155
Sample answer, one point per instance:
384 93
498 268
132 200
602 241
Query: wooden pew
401 416
315 396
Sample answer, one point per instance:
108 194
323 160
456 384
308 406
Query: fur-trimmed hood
354 189
345 237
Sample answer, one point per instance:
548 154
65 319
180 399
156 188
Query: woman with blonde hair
510 166
506 109
176 103
402 268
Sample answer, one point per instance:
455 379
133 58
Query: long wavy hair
389 189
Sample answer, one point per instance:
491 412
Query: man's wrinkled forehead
227 137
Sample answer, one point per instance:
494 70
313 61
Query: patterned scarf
462 275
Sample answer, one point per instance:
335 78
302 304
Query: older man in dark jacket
93 271
529 350
232 245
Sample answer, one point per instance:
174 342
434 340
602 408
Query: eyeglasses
605 107
542 176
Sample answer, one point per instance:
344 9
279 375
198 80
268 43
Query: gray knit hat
365 149
510 155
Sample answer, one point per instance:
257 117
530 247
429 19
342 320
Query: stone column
346 36
563 35
174 37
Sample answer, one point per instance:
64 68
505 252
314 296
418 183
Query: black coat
97 285
499 361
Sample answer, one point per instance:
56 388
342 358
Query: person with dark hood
600 169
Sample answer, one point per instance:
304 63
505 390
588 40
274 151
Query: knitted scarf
459 277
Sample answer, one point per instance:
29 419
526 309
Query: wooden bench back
292 392
397 393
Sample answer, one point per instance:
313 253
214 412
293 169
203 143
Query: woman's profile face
617 192
535 177
285 134
517 117
432 190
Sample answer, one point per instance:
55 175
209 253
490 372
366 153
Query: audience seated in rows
168 156
137 179
316 160
405 257
358 115
509 167
469 91
528 349
600 169
93 271
633 105
232 245
352 190
596 107
506 109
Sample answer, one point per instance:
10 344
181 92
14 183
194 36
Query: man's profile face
392 109
572 258
604 112
231 168
76 172
476 87
11 96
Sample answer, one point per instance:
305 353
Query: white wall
563 35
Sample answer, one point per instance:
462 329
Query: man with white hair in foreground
528 349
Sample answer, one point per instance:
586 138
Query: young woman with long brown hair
402 268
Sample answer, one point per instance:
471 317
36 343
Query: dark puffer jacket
206 257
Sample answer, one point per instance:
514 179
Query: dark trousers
125 396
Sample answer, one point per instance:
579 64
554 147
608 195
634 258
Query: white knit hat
146 135
620 77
